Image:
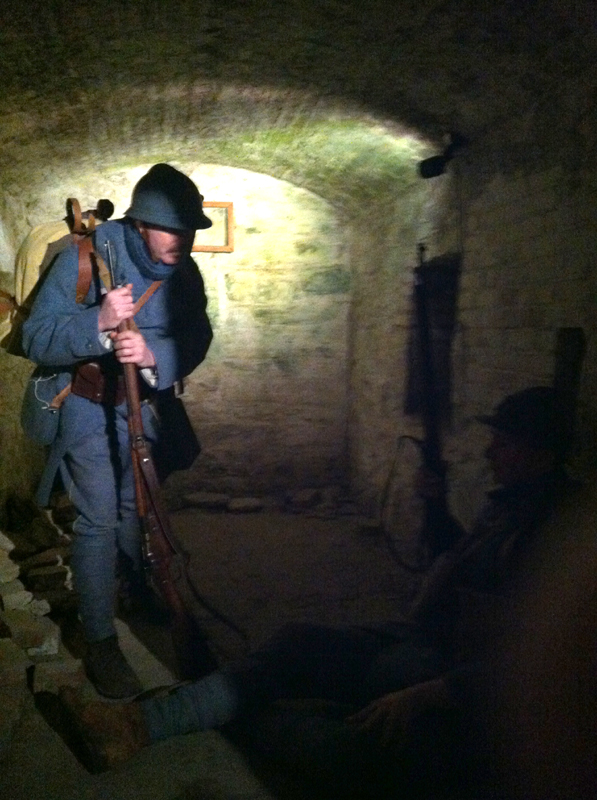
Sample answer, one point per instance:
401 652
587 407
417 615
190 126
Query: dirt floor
260 570
264 569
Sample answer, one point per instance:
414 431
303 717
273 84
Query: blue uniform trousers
98 476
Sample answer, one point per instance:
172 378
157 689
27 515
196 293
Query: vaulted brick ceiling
438 64
254 84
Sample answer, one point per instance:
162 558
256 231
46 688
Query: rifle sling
147 467
140 451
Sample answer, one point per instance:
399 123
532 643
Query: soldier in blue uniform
151 248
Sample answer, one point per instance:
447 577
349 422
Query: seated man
545 720
398 672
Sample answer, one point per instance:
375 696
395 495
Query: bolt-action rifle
438 530
164 563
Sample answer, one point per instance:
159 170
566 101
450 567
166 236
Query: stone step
37 765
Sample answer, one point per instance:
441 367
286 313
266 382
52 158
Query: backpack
44 393
177 446
35 255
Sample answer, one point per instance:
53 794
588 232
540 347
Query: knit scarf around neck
139 254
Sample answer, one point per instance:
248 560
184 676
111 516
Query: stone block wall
338 101
527 234
528 272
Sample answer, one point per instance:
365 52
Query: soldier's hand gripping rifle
164 563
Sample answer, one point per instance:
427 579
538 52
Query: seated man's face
513 462
167 245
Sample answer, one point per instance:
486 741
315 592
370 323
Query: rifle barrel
111 262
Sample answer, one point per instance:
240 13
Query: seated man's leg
308 661
310 742
300 661
313 738
401 664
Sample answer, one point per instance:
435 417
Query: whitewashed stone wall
270 401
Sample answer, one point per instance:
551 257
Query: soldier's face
167 245
513 462
505 458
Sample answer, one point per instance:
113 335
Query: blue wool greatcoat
60 333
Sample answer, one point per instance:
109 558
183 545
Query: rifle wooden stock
163 561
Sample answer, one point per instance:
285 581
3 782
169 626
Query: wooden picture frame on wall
222 229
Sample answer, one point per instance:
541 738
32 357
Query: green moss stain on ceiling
342 160
346 161
359 164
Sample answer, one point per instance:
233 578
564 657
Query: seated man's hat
535 416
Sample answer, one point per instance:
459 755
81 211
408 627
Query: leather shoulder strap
85 268
142 300
146 295
74 218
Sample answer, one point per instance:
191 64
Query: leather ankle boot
110 733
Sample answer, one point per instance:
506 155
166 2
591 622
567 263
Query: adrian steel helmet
165 196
